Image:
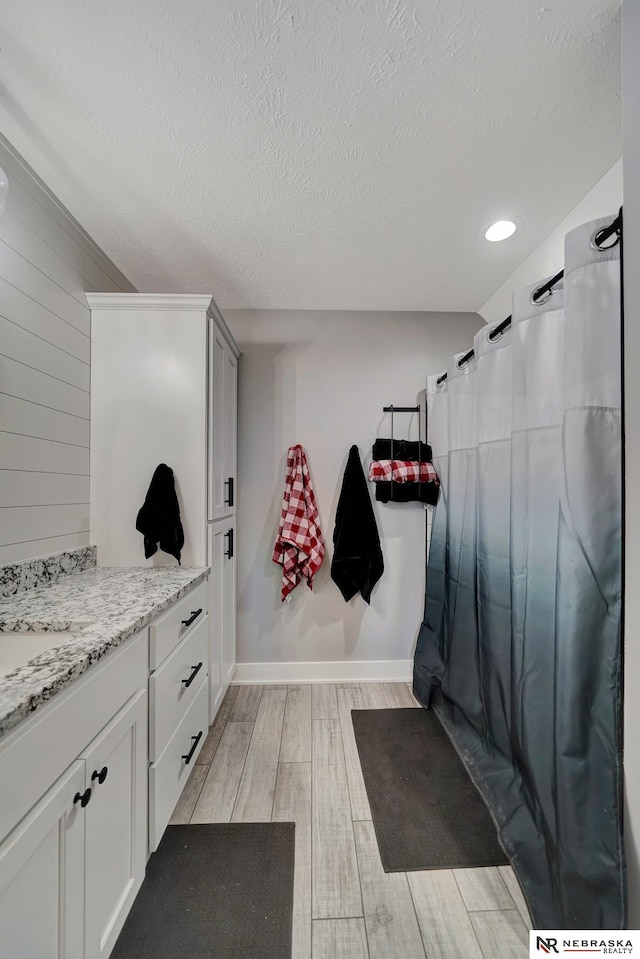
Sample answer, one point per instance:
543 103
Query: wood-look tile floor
288 753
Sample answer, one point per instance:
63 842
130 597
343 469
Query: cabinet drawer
169 774
169 694
167 631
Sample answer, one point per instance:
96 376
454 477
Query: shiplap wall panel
16 552
28 384
39 209
41 456
22 240
18 523
19 488
43 290
20 309
33 419
47 263
49 231
31 350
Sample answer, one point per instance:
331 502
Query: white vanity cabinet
88 784
164 390
73 845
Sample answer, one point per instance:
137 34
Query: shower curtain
520 647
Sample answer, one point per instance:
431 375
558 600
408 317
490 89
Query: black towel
407 492
357 558
402 450
159 516
404 492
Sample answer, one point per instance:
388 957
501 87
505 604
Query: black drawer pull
82 798
196 670
189 756
229 500
194 615
229 552
100 776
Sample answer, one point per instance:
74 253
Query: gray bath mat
426 812
215 891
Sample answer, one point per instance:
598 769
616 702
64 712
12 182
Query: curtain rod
400 409
600 237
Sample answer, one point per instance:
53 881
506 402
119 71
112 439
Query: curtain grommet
540 300
601 248
494 335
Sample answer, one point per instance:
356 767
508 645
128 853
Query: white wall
46 264
631 134
604 198
321 379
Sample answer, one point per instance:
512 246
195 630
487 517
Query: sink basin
16 648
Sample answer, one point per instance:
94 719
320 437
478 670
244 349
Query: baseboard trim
383 670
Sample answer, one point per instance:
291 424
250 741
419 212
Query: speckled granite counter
102 607
45 570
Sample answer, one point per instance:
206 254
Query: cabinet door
222 610
230 431
42 876
116 824
218 545
229 607
222 452
217 490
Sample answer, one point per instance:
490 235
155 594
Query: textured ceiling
320 154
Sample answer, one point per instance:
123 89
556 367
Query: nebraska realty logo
583 942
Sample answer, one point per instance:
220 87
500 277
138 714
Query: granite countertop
100 607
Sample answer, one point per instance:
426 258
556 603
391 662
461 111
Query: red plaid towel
402 471
299 545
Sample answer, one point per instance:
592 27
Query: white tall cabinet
164 390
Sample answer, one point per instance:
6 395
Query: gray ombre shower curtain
520 648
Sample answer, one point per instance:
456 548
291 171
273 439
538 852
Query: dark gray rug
426 812
215 891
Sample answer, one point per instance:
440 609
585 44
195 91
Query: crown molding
149 301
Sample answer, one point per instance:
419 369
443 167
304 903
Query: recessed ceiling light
501 230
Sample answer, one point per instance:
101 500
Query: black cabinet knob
82 798
100 776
